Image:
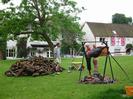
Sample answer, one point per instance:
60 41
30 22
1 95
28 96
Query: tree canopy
121 19
44 19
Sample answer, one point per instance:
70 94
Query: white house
11 51
36 48
39 48
117 35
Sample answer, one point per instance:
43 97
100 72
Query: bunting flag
122 41
112 41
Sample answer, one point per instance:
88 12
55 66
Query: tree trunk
44 35
1 56
49 41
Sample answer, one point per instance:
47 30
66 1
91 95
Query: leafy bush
129 46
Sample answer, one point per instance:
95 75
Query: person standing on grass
88 49
57 56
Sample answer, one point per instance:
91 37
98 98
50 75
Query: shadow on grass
112 94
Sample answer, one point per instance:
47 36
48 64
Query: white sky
3 6
101 10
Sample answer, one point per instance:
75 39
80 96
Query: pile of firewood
33 67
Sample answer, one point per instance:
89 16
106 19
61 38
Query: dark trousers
88 62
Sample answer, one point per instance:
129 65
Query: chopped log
19 72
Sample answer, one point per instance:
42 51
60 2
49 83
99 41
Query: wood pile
33 67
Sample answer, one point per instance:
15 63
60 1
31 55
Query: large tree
3 37
45 19
121 19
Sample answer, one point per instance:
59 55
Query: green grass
65 85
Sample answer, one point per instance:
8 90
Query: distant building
11 51
117 35
39 48
36 48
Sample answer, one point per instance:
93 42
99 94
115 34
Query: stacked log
33 67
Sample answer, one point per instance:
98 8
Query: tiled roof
106 29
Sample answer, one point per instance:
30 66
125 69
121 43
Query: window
47 50
49 53
112 41
122 41
10 52
102 39
32 53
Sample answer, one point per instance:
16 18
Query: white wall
129 40
11 44
88 33
112 48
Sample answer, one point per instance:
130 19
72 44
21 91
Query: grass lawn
65 85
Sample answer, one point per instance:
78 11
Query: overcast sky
102 10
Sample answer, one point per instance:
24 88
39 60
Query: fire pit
97 79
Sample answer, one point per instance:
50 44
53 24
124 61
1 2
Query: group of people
88 49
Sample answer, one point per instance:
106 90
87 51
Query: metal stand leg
121 68
105 66
111 69
81 68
